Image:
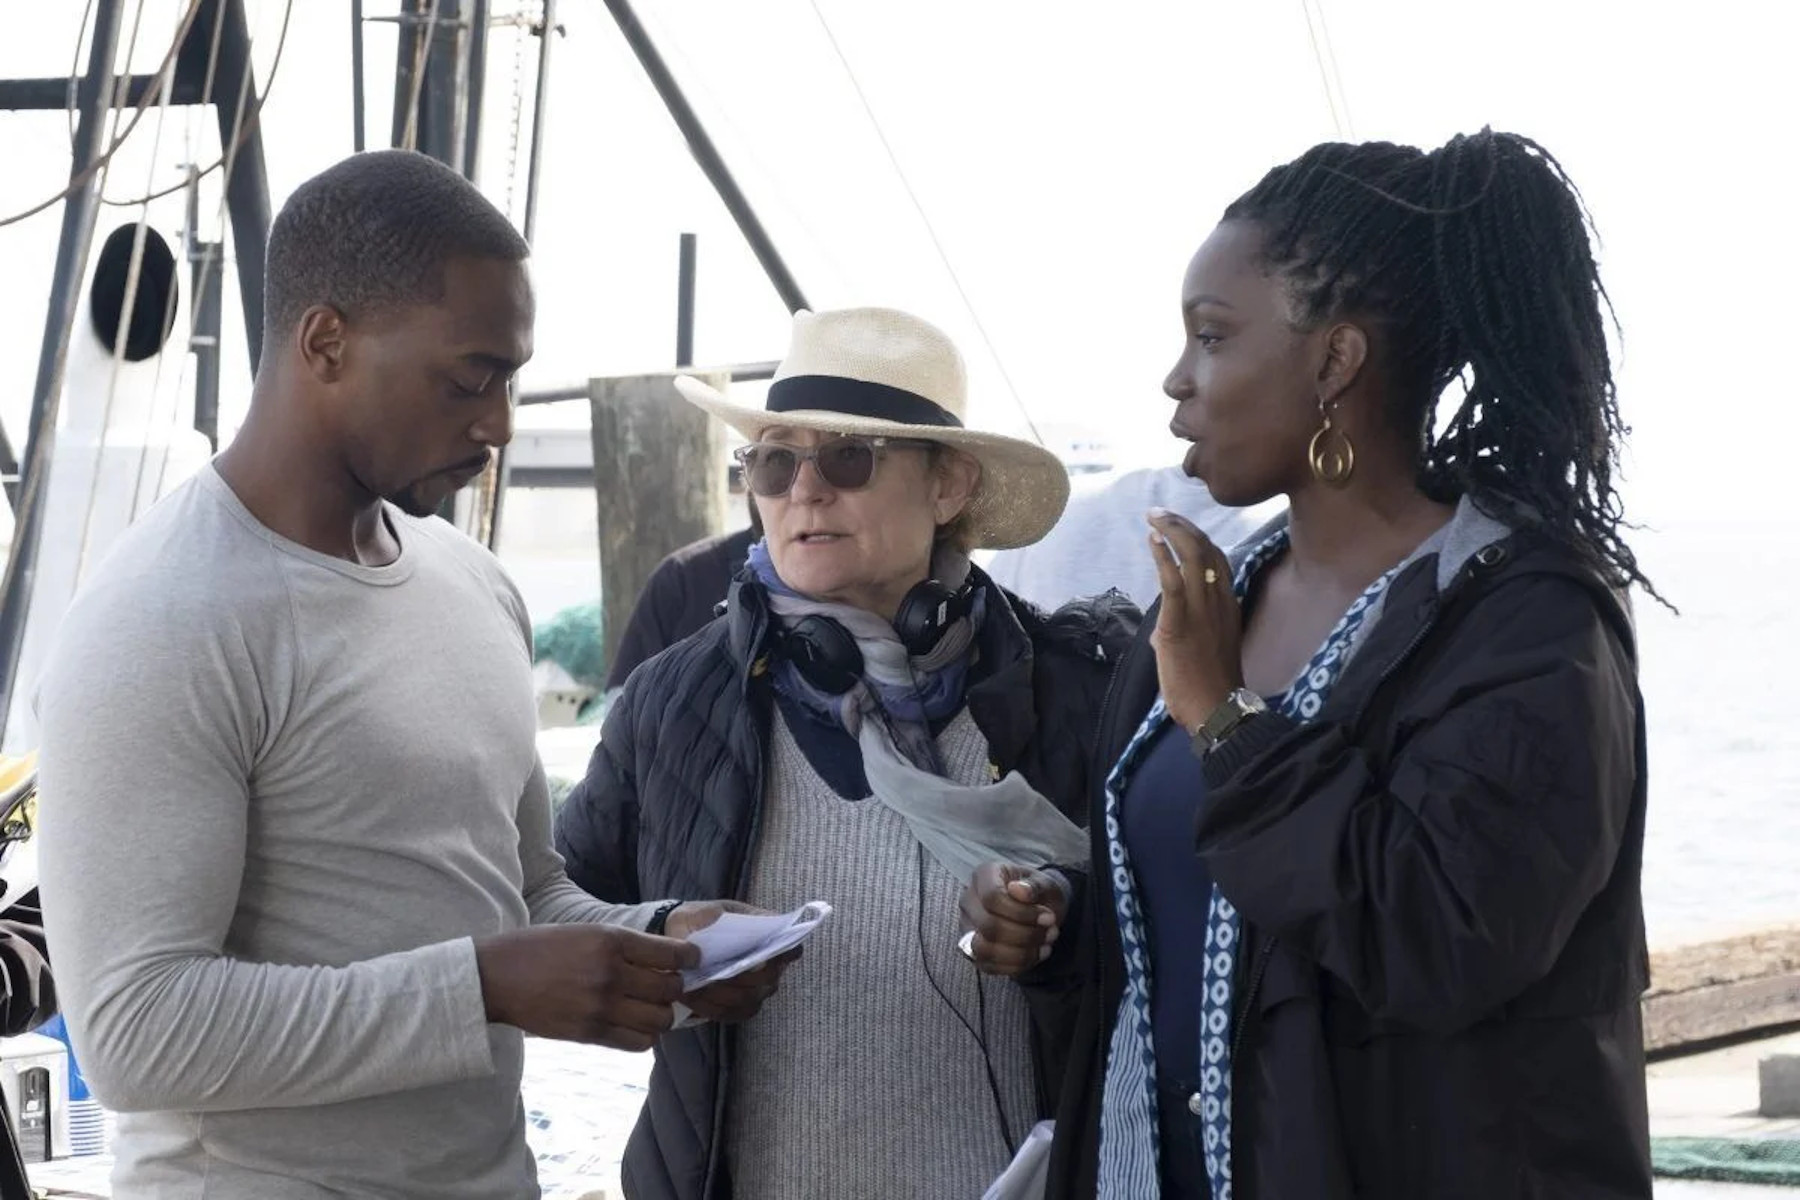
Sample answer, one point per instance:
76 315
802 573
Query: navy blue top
1159 808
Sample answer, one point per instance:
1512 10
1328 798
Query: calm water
1724 746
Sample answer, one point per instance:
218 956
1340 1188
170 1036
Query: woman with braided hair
1365 919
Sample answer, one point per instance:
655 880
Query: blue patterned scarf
911 693
890 711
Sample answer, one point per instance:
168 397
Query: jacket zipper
1238 1025
1106 707
1256 977
722 1076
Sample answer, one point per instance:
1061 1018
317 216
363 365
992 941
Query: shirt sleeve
152 712
550 895
553 897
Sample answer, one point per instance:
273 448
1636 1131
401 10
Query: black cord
980 1035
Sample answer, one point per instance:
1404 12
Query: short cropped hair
373 234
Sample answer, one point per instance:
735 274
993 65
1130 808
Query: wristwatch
1238 707
659 920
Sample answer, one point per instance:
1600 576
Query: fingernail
1043 952
1159 513
1158 538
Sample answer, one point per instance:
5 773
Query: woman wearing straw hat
869 720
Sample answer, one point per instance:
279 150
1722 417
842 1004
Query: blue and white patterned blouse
1129 1150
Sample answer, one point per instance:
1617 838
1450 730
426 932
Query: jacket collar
1472 541
1469 531
748 628
1000 695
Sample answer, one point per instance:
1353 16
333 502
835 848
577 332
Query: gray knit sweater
857 1081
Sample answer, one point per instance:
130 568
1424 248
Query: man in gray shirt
296 858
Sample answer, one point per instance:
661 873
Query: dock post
659 483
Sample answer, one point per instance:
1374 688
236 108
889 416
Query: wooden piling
659 483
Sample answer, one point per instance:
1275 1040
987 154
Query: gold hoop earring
1330 453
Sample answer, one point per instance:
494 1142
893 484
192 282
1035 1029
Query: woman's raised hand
1199 629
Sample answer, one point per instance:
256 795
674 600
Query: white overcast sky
1069 157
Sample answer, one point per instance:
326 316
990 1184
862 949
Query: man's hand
584 983
742 996
1016 913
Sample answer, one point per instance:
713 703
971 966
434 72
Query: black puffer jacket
670 804
1440 883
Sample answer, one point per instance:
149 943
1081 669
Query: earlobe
321 338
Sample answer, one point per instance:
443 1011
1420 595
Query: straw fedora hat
884 373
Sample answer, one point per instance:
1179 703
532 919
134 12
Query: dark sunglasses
846 463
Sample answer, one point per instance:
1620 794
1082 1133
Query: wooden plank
657 483
1746 956
1720 1011
1723 988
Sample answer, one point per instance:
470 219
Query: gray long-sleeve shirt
281 794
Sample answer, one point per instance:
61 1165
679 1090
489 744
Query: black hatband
857 398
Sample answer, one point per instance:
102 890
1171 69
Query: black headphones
828 657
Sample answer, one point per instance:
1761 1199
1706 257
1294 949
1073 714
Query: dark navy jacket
670 804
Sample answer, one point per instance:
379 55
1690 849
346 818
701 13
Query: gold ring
1211 576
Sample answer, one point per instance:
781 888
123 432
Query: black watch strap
659 920
1237 708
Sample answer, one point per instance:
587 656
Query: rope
1319 33
244 124
128 309
74 91
162 472
409 138
240 132
122 82
930 229
99 165
240 129
521 31
206 91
